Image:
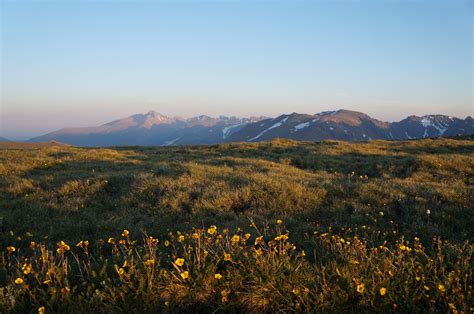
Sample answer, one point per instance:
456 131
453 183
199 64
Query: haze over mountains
153 128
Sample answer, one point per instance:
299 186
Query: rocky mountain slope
153 128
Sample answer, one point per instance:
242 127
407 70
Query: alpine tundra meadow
281 226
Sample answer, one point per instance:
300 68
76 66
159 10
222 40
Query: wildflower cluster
238 270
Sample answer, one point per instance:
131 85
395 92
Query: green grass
375 192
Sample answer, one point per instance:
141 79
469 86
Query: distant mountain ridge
153 128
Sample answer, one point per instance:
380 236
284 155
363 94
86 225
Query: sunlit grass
335 227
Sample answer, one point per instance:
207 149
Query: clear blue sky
82 63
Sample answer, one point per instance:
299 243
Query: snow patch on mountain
301 126
276 125
169 143
226 131
326 113
427 121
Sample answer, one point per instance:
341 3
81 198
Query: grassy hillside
350 213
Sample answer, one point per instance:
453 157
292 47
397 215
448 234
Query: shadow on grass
305 156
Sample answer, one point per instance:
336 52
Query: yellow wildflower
259 251
235 239
417 278
179 261
120 270
227 257
426 288
83 244
195 235
150 262
62 247
41 310
181 238
212 229
19 281
281 237
26 269
279 221
11 249
361 288
441 288
185 274
258 240
125 233
111 240
247 236
218 276
382 291
167 243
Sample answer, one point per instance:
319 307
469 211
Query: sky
85 63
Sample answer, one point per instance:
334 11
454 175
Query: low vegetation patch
251 227
213 269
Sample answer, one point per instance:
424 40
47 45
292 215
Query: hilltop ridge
155 129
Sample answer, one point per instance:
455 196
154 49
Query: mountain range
153 128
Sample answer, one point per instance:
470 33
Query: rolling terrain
29 145
274 226
154 129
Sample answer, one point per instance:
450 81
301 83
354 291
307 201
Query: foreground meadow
280 226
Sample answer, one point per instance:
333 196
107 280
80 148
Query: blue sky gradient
82 63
